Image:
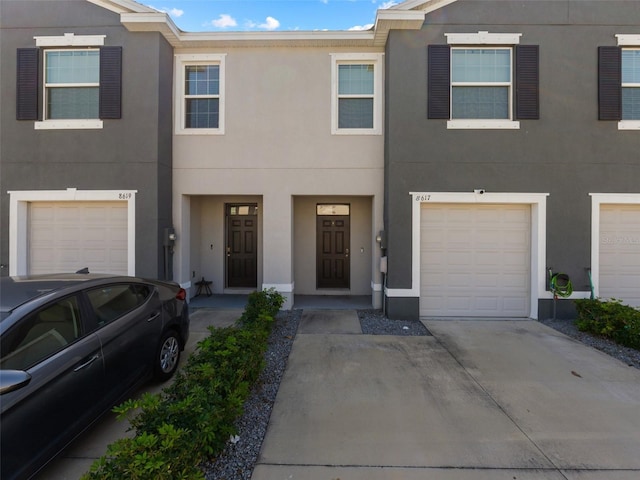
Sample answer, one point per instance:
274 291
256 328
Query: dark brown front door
333 238
242 252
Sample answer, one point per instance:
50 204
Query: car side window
112 301
41 335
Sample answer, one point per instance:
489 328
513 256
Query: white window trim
493 39
629 125
479 124
629 41
538 203
181 61
483 38
19 221
68 124
68 40
597 200
355 58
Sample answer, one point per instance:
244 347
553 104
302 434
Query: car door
64 394
129 323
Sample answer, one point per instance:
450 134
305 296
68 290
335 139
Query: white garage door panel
475 260
620 253
67 236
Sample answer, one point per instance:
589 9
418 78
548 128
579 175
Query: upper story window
72 84
631 84
619 82
483 80
356 94
200 84
481 83
80 84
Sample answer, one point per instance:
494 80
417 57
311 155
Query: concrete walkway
478 400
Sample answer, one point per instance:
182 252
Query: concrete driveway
477 400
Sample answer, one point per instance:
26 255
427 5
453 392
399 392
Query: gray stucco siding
567 153
131 153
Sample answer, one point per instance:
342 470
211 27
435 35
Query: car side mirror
11 380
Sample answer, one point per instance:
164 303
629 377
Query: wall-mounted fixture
381 238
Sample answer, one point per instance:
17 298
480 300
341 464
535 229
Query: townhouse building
249 160
86 148
512 152
445 163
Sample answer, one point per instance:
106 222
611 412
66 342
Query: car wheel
168 355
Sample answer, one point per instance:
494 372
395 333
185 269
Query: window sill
355 131
629 125
483 124
200 131
68 124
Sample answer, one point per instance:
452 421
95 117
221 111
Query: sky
270 15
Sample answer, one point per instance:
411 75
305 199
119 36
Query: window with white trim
631 84
200 92
71 84
483 80
356 94
619 82
79 86
481 83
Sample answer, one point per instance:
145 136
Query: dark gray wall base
565 309
402 308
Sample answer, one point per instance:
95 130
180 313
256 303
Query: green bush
610 319
193 418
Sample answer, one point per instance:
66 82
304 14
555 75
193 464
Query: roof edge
425 6
139 18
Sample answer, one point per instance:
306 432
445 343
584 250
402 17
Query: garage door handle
86 364
153 316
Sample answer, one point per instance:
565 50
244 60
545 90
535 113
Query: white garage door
68 236
475 260
620 253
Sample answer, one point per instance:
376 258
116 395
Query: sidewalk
478 400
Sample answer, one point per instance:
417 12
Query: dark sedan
71 347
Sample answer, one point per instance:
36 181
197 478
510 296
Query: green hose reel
560 285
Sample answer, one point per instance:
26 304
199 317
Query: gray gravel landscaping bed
629 356
239 457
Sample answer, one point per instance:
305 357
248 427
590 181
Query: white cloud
362 27
224 21
388 4
270 24
174 12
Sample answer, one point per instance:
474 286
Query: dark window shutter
27 84
439 81
110 82
527 76
609 83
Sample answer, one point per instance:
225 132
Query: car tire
167 356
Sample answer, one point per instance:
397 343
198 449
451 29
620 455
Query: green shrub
193 418
610 319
